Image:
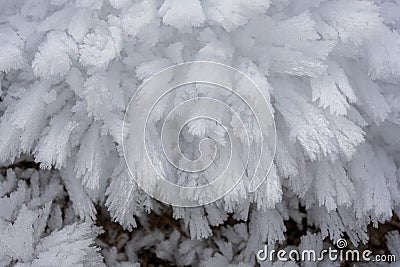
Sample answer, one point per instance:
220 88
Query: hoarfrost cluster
330 69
